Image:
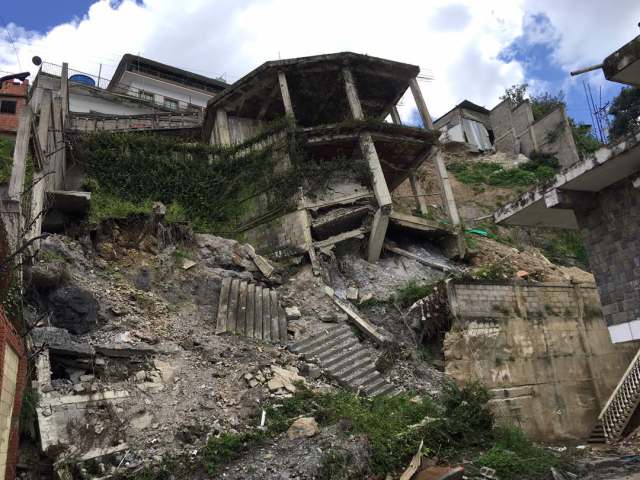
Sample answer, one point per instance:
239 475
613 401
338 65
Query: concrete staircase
341 355
621 416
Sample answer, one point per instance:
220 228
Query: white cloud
231 37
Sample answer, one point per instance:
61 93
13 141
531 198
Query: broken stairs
342 356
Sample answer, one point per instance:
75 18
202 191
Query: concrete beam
286 98
352 95
421 104
395 116
378 232
570 199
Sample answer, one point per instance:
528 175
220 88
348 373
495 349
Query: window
170 103
8 106
148 96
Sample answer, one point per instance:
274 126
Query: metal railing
102 83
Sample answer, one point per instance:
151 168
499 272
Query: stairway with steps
621 416
342 356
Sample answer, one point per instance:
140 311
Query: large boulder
74 309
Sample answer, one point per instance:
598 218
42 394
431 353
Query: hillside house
13 98
337 104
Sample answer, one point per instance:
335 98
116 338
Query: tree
625 111
516 94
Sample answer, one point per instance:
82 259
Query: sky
471 50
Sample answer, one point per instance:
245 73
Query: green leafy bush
6 159
411 292
540 168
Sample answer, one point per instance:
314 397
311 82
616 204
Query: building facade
13 98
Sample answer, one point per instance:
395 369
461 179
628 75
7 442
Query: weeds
539 169
411 292
513 455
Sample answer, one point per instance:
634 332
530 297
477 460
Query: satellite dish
36 60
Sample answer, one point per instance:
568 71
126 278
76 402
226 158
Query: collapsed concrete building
338 104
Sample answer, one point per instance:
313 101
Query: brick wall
612 235
543 350
13 92
9 339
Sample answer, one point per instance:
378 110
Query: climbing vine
216 188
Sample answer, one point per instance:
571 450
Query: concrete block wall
553 135
543 350
612 235
500 117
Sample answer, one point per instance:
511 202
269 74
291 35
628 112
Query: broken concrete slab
61 342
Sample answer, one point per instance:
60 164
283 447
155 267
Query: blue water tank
83 79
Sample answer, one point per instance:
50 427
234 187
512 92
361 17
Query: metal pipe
586 69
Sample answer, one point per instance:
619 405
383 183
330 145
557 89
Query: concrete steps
343 357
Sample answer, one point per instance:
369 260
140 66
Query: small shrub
226 447
411 292
514 455
6 159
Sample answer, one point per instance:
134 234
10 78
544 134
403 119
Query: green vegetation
411 292
567 248
458 425
216 188
514 455
6 159
625 111
539 169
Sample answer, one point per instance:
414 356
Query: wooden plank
282 318
223 305
286 98
257 319
275 322
421 104
241 326
232 311
266 315
20 152
352 95
251 311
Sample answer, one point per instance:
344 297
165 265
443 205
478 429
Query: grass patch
539 169
411 292
514 455
568 249
106 205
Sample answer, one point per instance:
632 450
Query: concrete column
420 103
418 192
380 188
395 116
222 127
449 201
286 98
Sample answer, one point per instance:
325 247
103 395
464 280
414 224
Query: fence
102 83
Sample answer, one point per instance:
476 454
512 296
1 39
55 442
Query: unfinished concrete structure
468 123
337 104
510 129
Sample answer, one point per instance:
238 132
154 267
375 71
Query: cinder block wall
612 236
553 135
542 349
501 122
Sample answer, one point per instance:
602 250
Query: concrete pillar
222 127
420 103
418 192
380 188
286 98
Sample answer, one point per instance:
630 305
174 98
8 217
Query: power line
13 44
